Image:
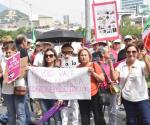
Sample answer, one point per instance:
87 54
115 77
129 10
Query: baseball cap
117 41
128 37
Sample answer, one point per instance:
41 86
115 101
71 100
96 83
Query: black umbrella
59 35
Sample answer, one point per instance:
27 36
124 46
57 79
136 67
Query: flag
147 23
33 35
146 34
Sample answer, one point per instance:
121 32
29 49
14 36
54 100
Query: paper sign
13 67
105 21
59 83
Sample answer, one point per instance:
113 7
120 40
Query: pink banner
13 66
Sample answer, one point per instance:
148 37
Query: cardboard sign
15 67
59 83
23 66
12 69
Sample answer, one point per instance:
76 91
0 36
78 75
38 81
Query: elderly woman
104 54
131 74
97 76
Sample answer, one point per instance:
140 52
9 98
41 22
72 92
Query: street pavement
120 116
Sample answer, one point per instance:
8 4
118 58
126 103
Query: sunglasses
50 55
134 52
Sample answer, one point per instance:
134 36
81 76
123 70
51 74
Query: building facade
133 4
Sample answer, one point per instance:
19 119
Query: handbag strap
97 84
126 79
105 75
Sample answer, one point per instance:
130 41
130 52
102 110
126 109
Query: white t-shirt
72 62
6 88
135 89
38 60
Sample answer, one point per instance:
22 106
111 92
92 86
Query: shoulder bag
104 93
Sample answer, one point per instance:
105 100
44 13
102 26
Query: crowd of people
131 73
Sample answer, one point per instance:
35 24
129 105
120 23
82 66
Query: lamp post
87 21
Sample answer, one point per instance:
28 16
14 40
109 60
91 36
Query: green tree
128 28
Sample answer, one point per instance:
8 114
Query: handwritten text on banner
59 83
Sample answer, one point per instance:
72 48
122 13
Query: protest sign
12 68
105 21
59 83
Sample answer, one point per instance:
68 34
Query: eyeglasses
134 52
50 55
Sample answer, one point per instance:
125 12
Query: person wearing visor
96 45
69 61
116 45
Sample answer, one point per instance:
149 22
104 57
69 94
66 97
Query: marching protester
38 48
131 75
104 53
122 53
50 61
95 46
86 106
38 61
21 44
115 48
15 104
68 61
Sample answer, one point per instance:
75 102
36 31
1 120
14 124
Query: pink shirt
107 71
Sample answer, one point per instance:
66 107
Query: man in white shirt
68 61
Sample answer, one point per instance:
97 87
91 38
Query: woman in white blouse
131 74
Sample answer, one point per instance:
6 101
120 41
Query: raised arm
113 73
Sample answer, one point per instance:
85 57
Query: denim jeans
112 110
4 117
46 104
70 113
137 112
27 110
15 106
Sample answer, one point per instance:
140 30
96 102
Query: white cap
117 41
128 37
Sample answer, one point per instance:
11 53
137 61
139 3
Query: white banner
59 83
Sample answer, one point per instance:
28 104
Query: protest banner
105 21
59 83
12 71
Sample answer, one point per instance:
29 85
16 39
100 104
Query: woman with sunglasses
131 74
50 59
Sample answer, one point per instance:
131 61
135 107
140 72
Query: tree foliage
128 28
13 34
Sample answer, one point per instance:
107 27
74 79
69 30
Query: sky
52 8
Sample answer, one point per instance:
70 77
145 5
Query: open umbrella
59 35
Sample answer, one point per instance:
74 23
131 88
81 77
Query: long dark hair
45 64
